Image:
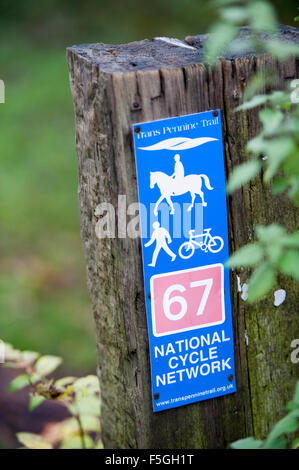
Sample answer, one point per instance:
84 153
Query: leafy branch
274 151
259 17
80 396
282 434
275 250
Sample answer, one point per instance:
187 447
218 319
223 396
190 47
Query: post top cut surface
163 52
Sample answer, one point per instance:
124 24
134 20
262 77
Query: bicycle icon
207 243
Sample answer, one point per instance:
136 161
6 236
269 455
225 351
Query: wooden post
114 87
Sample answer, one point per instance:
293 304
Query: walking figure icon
160 235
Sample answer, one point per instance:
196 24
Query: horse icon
160 234
178 184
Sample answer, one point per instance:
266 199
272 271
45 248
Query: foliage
274 152
80 396
277 142
259 16
275 250
282 434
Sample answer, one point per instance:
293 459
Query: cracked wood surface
114 87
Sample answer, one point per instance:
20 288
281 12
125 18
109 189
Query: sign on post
181 186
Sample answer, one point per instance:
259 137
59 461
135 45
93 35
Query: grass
43 297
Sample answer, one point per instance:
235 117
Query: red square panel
187 300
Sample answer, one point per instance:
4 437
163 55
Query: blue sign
184 235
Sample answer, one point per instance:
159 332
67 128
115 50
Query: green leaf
260 80
29 356
289 263
86 405
277 151
257 145
75 442
35 401
260 282
64 381
248 443
89 423
294 403
295 443
234 15
19 382
279 443
90 383
33 441
262 16
47 364
274 252
222 3
279 185
296 394
99 444
241 46
242 174
286 425
281 50
221 35
257 100
292 406
293 192
292 240
270 233
248 255
270 119
279 98
291 166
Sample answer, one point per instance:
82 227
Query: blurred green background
43 297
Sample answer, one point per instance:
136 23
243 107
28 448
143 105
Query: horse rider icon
160 234
179 171
178 184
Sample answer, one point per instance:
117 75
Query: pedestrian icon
160 235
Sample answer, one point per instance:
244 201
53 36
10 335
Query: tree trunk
114 87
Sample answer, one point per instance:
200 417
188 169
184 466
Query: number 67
167 301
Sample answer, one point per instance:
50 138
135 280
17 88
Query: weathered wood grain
114 87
